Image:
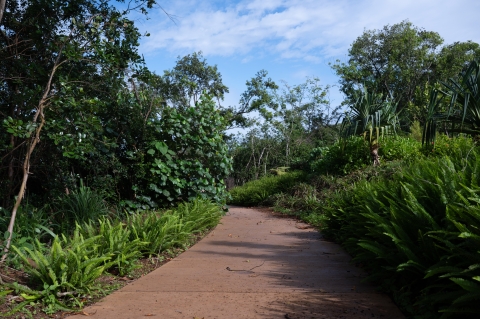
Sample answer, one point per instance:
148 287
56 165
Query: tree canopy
400 61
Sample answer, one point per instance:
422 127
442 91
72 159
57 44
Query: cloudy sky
291 39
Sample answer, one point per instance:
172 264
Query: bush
81 206
255 192
341 158
113 240
353 153
173 228
458 147
400 148
69 267
417 234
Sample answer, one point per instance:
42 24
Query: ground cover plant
62 274
417 235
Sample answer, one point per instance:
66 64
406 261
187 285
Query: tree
2 8
402 62
455 58
51 50
259 96
294 119
183 85
373 117
392 61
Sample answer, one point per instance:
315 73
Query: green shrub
257 191
416 131
352 153
113 240
81 206
64 271
70 266
458 147
199 215
417 234
173 228
400 148
343 157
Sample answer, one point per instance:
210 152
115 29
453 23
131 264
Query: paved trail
296 275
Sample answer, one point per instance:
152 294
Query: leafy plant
416 233
173 228
462 113
189 158
114 241
81 206
67 266
254 192
341 158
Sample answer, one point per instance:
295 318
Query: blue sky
291 39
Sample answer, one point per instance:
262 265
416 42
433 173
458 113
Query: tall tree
50 51
393 61
455 58
184 84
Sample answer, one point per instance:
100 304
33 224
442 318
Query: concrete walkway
278 269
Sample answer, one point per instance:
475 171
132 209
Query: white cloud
312 30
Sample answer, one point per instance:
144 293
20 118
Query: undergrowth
62 273
413 223
257 191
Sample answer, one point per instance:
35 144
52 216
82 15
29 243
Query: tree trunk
2 9
374 153
30 148
26 170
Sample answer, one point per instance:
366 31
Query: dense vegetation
396 180
95 148
104 162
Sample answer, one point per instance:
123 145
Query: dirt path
278 269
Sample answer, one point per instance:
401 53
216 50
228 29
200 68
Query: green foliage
113 240
456 106
81 206
32 223
95 43
343 157
255 192
184 84
68 268
189 159
302 200
415 234
400 148
416 131
68 265
173 228
296 119
400 60
457 147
